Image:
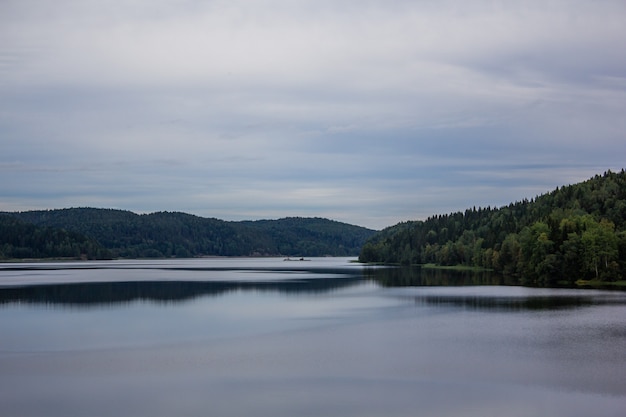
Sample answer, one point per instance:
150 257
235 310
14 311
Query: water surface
265 337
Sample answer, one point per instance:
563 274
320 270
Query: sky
367 112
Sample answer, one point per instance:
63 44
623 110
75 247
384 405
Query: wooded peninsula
576 232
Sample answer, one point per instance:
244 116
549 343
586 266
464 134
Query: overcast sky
368 112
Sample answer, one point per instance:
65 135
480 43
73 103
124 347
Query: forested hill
22 240
166 234
574 232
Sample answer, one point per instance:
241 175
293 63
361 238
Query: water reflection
418 277
441 288
507 303
106 293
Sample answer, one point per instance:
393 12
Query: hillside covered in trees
574 232
22 240
165 234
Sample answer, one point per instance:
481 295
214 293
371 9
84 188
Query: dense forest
22 240
165 234
574 232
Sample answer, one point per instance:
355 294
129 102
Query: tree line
124 234
574 232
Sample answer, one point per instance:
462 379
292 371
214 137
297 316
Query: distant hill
311 236
23 240
171 234
574 232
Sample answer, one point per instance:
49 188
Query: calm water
264 337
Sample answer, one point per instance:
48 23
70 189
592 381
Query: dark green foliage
21 240
166 234
574 232
312 236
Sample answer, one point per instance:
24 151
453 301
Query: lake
320 337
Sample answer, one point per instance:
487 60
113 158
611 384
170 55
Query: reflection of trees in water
418 277
102 293
309 281
506 303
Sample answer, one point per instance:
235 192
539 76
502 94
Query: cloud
369 112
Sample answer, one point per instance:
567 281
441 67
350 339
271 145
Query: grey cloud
369 112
